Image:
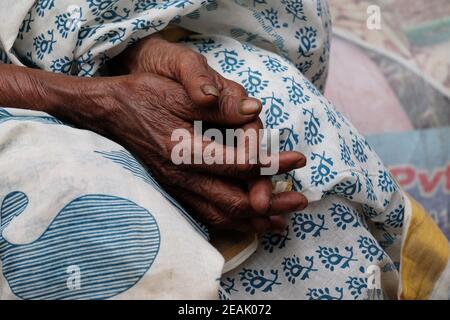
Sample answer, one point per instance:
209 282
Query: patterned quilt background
394 84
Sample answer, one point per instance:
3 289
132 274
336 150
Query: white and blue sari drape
82 219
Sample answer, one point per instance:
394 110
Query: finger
255 127
261 225
236 163
234 201
265 203
287 202
216 157
260 194
278 223
181 64
287 161
235 107
213 216
217 219
234 97
290 160
197 78
249 140
206 87
231 108
208 213
204 84
232 111
229 197
209 153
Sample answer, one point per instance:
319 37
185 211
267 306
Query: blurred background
394 84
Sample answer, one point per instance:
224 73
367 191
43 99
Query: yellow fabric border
425 254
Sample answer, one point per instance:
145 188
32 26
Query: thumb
200 81
156 55
207 88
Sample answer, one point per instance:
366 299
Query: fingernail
209 90
302 206
248 107
300 163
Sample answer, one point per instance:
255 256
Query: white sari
62 186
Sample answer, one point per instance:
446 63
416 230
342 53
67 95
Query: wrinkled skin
206 95
217 193
162 92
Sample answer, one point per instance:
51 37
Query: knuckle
140 80
303 160
262 206
180 179
190 57
238 170
258 123
238 206
201 58
235 88
177 96
217 221
141 85
170 176
226 107
246 168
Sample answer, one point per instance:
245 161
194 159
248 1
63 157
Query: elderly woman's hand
143 110
224 103
204 85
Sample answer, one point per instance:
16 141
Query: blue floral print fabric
356 214
278 51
